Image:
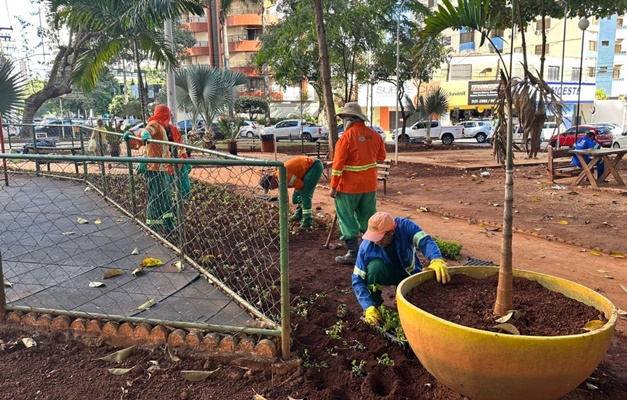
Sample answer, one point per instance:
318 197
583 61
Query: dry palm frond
533 99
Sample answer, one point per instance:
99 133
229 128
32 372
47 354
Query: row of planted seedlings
223 225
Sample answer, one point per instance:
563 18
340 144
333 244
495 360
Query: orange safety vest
156 150
355 161
297 167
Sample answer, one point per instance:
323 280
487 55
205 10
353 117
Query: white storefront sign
383 94
569 91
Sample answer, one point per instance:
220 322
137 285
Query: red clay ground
457 203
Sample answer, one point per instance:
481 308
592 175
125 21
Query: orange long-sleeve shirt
297 167
355 161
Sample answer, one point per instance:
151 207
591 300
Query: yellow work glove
441 271
372 316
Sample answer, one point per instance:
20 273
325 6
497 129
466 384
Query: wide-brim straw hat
352 109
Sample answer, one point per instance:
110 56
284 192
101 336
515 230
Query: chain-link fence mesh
81 233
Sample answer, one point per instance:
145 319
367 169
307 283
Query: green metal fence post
3 299
131 176
284 260
84 162
37 170
180 214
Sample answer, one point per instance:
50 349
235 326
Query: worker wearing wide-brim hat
354 177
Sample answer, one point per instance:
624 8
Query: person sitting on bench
587 142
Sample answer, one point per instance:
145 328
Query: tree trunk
140 84
543 56
325 75
34 101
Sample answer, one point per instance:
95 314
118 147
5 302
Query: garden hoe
331 228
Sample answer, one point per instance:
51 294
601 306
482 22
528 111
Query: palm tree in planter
229 127
482 364
207 92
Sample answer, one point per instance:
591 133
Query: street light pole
398 80
583 25
565 4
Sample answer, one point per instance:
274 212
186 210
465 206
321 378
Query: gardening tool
389 336
331 228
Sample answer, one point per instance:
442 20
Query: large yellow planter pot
488 365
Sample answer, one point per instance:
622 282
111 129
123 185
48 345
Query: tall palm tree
529 95
12 89
207 92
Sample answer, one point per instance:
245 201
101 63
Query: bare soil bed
451 203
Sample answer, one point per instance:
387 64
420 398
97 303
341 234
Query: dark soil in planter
470 302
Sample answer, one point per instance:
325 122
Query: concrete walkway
50 259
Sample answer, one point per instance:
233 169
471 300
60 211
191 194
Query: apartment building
234 43
471 75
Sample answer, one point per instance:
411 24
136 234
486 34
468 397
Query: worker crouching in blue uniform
387 255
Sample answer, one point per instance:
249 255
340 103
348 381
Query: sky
25 46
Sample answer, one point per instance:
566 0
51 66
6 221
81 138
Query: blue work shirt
408 237
583 144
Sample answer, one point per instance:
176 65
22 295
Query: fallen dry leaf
616 254
93 284
508 328
137 271
67 233
98 221
110 273
563 222
623 287
590 386
150 262
622 313
82 221
194 376
173 357
535 199
118 356
119 371
593 325
135 251
88 188
147 304
595 252
179 265
7 284
29 342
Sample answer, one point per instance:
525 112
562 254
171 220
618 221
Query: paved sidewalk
50 259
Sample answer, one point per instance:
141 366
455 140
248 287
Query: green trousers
379 275
353 212
185 183
159 216
304 197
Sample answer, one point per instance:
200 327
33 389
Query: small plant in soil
385 360
335 332
309 363
357 345
449 249
358 368
392 322
342 310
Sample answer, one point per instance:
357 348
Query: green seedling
385 360
392 322
335 332
358 369
309 363
342 310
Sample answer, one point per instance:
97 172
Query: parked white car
291 128
480 130
249 129
616 130
418 132
340 130
620 142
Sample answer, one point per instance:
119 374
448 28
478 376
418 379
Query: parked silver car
480 130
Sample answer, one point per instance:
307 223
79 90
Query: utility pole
170 78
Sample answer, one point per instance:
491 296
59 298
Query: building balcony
249 20
247 70
196 24
468 46
201 48
274 96
244 45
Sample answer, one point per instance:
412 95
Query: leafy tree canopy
252 106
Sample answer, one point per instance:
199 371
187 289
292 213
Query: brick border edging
223 347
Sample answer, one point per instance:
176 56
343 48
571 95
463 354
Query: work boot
307 222
351 256
305 227
298 215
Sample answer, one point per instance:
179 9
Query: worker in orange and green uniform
354 177
303 174
159 210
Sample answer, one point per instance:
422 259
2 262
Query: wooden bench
559 164
383 172
322 150
57 150
252 144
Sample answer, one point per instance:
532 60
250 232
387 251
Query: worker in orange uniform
354 177
303 174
